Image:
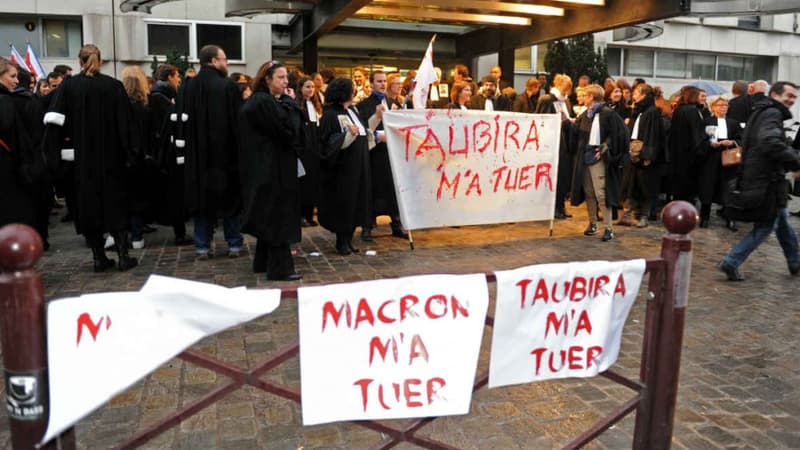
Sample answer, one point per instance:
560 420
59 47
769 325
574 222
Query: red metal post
679 218
22 330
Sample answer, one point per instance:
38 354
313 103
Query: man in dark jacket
526 102
488 98
740 105
208 106
766 158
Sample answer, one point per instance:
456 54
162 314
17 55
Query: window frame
192 25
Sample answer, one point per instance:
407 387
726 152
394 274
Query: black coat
687 138
170 182
614 135
766 154
384 200
211 101
16 195
98 117
739 108
309 155
639 181
346 184
142 173
525 103
566 148
270 142
500 102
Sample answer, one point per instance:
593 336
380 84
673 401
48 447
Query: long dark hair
314 98
267 70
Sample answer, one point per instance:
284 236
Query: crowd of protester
269 154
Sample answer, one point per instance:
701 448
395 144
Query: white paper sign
100 344
454 167
390 349
560 320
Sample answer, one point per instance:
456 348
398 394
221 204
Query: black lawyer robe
346 184
270 139
614 135
98 117
170 205
309 155
686 140
713 178
211 102
384 199
640 182
16 197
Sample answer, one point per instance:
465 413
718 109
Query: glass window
522 58
62 38
614 59
701 67
163 38
763 68
229 37
732 68
750 22
639 63
671 65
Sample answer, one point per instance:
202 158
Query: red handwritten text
85 320
390 311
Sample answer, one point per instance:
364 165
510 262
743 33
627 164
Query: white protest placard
454 167
100 344
390 349
560 320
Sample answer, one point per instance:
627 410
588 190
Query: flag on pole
16 58
32 61
425 76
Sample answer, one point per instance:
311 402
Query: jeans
204 231
761 231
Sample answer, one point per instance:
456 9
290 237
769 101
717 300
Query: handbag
732 156
636 150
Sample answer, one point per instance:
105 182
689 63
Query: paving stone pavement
740 375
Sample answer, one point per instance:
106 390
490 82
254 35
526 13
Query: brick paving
740 379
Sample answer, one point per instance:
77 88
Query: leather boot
397 228
342 244
123 241
101 261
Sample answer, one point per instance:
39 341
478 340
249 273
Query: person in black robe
740 105
170 209
270 132
687 138
547 105
344 153
639 181
16 193
309 183
724 133
208 107
95 109
526 101
599 160
34 174
384 200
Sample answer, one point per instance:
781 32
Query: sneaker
138 244
642 222
608 235
109 242
731 272
234 252
591 230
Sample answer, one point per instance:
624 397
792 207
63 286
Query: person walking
271 140
208 106
766 157
96 110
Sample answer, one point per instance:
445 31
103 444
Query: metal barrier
23 341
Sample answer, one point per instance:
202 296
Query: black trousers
276 259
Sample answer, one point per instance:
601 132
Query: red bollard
680 218
22 330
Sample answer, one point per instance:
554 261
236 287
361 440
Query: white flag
426 75
123 336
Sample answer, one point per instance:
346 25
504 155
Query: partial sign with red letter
560 320
454 167
100 344
390 349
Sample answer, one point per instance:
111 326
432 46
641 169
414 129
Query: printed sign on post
454 167
560 320
390 349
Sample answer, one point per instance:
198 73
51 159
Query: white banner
390 349
560 320
454 167
100 344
